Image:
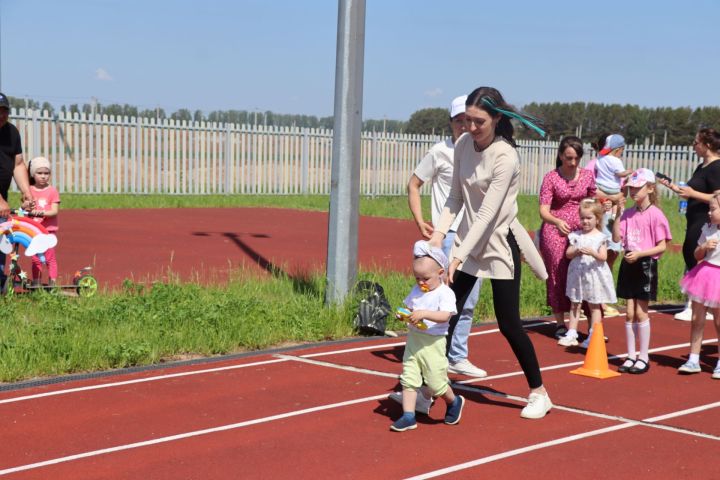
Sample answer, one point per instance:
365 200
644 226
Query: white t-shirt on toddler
442 299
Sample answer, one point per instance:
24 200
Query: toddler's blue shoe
454 411
406 422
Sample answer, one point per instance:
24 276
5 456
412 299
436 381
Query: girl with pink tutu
702 286
589 278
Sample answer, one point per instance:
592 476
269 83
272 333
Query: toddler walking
47 206
589 277
644 232
431 303
702 286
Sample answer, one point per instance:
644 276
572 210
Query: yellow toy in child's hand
404 314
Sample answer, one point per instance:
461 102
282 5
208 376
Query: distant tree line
674 126
246 117
663 125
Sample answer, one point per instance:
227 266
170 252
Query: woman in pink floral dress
561 192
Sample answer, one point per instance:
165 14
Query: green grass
45 335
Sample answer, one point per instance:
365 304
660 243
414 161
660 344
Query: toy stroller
20 230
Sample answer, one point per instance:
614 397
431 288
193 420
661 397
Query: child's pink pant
51 264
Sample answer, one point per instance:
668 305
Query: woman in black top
698 192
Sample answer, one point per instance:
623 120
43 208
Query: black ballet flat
625 369
635 370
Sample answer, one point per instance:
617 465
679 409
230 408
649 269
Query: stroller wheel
87 286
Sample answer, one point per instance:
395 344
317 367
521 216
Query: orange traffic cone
596 363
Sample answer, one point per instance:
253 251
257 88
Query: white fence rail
101 154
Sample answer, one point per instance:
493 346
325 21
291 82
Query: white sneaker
690 367
568 340
464 367
685 315
422 404
538 405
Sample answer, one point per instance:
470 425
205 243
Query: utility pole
345 177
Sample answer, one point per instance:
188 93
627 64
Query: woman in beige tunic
490 240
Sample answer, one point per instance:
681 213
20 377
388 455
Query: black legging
692 235
506 303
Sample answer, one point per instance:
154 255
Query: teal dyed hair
492 101
528 120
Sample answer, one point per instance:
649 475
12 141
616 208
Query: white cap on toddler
37 163
424 249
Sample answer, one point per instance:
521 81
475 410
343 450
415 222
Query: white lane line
518 451
605 416
182 436
137 380
558 441
348 368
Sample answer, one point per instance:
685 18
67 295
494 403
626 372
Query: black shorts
638 280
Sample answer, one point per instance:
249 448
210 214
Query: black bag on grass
373 309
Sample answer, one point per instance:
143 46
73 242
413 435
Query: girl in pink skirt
702 286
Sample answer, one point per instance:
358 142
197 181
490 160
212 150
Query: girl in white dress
589 277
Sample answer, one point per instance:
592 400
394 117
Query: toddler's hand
711 244
587 251
417 316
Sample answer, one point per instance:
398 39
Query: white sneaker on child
685 315
568 340
422 404
690 367
538 406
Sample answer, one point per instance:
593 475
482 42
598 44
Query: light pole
344 181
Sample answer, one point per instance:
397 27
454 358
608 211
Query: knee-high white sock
644 334
630 338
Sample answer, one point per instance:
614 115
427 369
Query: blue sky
279 55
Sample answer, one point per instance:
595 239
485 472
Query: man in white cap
437 167
12 166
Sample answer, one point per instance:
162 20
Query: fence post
304 161
228 158
137 182
374 161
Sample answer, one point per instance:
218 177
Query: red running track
205 244
322 412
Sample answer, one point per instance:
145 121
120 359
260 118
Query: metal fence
101 154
